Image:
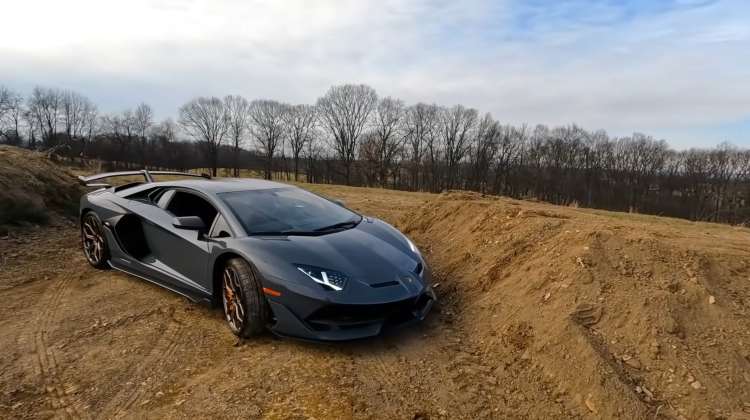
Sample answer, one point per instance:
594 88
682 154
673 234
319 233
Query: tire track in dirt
126 398
470 374
453 386
46 362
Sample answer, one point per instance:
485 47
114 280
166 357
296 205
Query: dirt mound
544 312
33 189
618 315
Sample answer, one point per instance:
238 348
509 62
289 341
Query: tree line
353 136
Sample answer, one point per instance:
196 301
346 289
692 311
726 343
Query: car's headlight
330 279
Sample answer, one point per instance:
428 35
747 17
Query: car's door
178 253
218 237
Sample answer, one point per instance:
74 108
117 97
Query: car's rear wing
147 175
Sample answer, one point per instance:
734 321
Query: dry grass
34 189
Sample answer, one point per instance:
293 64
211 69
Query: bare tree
93 127
313 152
638 159
166 131
11 116
123 130
45 106
595 154
368 157
344 112
5 95
205 119
142 119
127 122
113 124
420 127
534 158
482 150
238 113
164 135
434 152
509 148
456 124
299 121
388 120
129 127
696 169
78 113
267 127
722 170
73 105
32 129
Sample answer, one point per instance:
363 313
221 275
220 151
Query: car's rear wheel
94 242
245 307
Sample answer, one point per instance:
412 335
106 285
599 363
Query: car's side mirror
189 223
339 202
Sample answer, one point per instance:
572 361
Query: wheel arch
83 213
216 273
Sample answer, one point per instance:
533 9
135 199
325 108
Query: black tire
94 241
245 307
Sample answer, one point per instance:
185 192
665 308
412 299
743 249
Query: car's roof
221 185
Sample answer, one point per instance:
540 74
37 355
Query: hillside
33 189
616 313
545 312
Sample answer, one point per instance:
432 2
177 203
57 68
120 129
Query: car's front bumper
327 321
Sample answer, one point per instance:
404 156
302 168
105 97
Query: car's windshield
287 211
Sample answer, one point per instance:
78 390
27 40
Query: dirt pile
545 312
33 189
612 315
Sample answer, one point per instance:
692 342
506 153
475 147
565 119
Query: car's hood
370 254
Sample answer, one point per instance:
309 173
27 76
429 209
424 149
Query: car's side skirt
191 296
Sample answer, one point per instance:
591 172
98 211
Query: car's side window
164 198
145 196
154 195
220 229
183 203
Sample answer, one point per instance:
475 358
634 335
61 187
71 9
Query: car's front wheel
245 307
94 242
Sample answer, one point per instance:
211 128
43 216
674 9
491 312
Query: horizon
673 69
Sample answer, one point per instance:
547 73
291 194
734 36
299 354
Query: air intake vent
384 284
418 269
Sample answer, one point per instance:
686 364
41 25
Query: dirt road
82 343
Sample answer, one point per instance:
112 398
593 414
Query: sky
674 69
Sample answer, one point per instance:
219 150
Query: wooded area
353 136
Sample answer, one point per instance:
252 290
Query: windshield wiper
343 225
282 233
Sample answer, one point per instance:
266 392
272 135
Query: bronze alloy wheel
245 307
234 302
94 243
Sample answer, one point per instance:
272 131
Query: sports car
272 256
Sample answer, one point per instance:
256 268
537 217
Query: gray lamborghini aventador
271 255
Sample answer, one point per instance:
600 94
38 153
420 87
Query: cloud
667 67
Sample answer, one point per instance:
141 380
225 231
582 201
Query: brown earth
546 312
33 189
